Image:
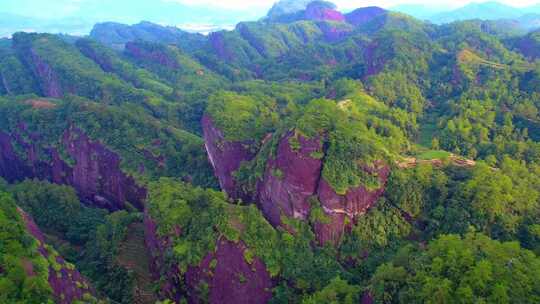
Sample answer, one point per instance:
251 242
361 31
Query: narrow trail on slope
411 162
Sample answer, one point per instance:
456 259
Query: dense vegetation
452 110
20 249
137 137
70 226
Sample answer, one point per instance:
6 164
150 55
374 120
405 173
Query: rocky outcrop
96 174
156 55
374 62
94 170
342 210
229 277
226 157
364 15
67 284
291 179
162 271
323 11
47 77
218 43
12 168
88 50
247 35
223 276
292 183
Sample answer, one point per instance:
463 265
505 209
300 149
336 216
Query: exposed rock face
293 181
364 15
12 168
95 172
249 37
375 63
97 175
224 274
342 208
231 280
47 77
219 45
155 55
295 177
88 51
157 246
290 180
68 285
226 157
323 11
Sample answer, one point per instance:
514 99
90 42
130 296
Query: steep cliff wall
162 270
290 180
226 157
94 171
223 276
342 210
229 277
47 77
293 185
323 11
67 283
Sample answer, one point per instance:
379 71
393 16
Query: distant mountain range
527 17
196 18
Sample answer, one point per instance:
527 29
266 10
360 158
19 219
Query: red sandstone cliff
292 178
222 277
95 172
67 284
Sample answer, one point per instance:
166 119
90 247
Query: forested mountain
526 18
313 156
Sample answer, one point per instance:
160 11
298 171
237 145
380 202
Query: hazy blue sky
63 8
78 16
350 3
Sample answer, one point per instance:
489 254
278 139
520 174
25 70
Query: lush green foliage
356 133
290 258
69 226
133 135
19 255
417 97
472 269
241 117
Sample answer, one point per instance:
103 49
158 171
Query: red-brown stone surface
226 157
68 285
95 174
